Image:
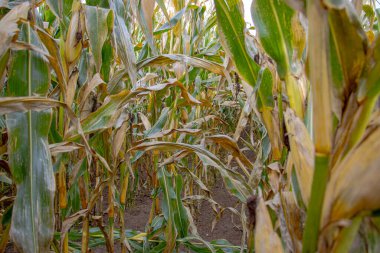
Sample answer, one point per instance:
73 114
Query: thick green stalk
320 178
318 73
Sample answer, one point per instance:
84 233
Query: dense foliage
99 99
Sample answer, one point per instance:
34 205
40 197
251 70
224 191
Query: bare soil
225 228
136 217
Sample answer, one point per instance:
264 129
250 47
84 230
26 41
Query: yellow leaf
302 152
266 239
354 185
8 25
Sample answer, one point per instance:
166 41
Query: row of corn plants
101 98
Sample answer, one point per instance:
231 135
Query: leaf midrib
252 72
282 37
30 139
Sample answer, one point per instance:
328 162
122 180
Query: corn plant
101 99
332 54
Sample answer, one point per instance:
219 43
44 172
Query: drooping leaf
8 25
29 157
97 30
171 58
233 181
359 168
108 113
282 37
302 152
266 239
145 17
54 58
293 218
159 124
56 6
229 144
125 47
350 42
172 22
87 88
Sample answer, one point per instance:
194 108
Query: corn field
101 100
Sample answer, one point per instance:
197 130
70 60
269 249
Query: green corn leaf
172 205
56 6
273 22
168 208
108 113
124 46
281 35
180 215
232 32
107 60
172 22
159 125
97 20
61 9
265 89
29 157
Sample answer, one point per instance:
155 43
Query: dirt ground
224 229
137 215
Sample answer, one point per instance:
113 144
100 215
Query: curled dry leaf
22 104
9 27
165 59
302 152
146 9
293 218
64 147
232 146
266 239
70 221
233 180
87 88
360 168
205 119
145 121
174 130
